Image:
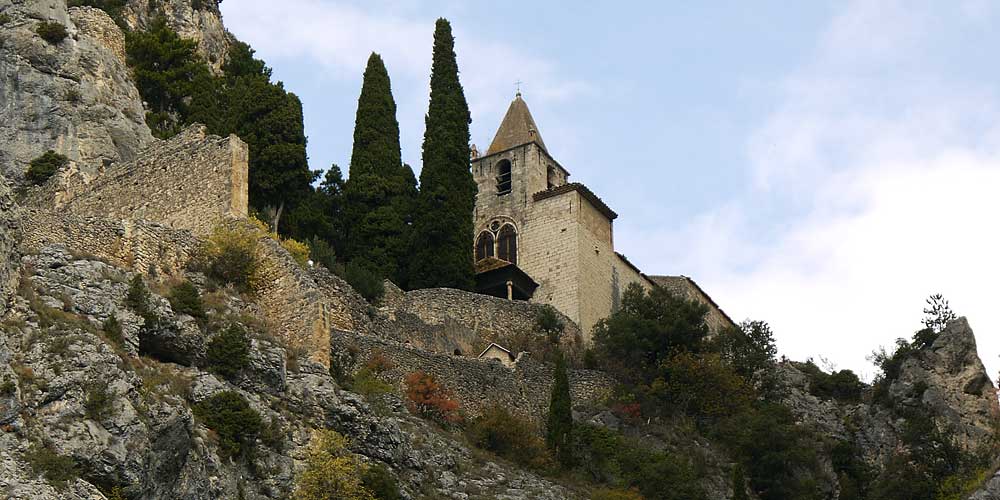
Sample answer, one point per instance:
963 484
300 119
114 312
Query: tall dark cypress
379 191
559 425
442 241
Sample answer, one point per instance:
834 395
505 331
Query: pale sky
823 166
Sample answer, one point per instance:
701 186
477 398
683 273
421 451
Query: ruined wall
442 320
192 181
524 388
138 245
305 304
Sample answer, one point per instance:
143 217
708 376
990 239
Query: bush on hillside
607 457
57 469
298 250
231 417
229 256
381 483
51 32
364 281
185 299
841 385
428 398
331 471
510 437
45 166
228 353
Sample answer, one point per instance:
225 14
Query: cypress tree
559 428
378 192
441 255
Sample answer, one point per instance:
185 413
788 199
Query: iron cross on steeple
518 86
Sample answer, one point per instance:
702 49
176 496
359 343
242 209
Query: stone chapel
541 238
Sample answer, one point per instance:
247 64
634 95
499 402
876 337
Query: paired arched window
503 245
507 244
484 245
503 177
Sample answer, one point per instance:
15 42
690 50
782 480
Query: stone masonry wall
443 320
524 388
305 304
192 181
138 245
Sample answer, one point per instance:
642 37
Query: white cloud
885 172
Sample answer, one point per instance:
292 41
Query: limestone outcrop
143 436
75 96
9 221
955 385
198 20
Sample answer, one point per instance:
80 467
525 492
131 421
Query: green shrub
185 299
841 385
112 329
559 422
4 18
510 437
232 418
229 256
57 469
51 32
364 281
331 471
547 322
228 353
607 457
98 403
616 494
323 253
381 483
298 250
8 387
273 435
137 297
45 166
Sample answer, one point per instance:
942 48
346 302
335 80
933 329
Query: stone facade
525 387
192 181
564 232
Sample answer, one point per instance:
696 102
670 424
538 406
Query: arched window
507 244
503 177
484 245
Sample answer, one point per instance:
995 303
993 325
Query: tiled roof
517 128
586 193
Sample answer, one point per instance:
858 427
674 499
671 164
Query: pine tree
441 254
380 188
559 428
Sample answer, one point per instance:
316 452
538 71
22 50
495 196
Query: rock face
956 386
75 97
198 20
144 437
9 216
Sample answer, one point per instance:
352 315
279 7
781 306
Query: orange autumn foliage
428 398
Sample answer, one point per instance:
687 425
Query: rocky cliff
75 96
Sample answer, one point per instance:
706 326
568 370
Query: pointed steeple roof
517 128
